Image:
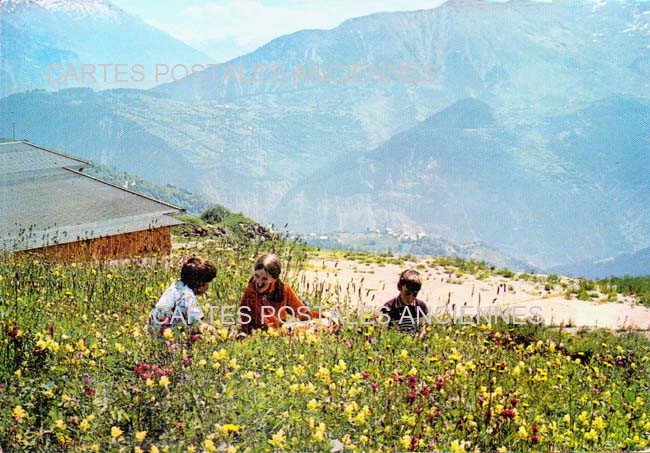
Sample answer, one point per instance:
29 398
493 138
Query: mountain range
520 124
49 44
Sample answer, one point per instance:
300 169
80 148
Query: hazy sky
228 28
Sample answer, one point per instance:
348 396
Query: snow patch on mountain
99 9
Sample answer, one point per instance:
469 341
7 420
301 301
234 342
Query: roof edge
132 192
58 153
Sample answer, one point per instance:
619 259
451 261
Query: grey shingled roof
47 205
22 157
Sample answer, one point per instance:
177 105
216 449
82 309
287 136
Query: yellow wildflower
598 424
115 432
340 367
313 405
19 413
522 433
278 440
319 433
208 444
457 447
140 435
405 442
164 381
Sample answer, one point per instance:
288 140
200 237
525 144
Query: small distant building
50 208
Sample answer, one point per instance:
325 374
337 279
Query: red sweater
256 311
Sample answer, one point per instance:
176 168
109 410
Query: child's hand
335 325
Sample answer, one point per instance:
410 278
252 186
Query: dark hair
197 271
411 279
271 264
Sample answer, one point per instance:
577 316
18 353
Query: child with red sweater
267 300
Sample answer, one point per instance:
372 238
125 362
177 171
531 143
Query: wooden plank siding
155 241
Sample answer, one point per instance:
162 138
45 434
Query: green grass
71 337
638 287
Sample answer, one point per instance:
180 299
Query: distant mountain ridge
478 48
44 44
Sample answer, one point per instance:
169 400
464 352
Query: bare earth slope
373 284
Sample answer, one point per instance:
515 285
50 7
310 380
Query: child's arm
300 310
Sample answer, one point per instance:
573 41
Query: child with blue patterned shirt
178 305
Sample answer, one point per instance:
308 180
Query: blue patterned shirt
177 306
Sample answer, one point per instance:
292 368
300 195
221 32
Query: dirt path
353 283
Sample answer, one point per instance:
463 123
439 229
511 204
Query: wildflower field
80 372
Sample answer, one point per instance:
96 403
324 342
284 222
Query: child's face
202 289
408 297
262 281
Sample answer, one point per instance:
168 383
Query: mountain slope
460 174
37 34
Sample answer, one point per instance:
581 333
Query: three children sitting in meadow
267 302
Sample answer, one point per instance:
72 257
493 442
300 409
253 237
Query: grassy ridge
194 204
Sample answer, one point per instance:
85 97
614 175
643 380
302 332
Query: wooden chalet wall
128 245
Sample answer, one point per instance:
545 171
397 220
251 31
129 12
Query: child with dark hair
267 300
405 311
179 305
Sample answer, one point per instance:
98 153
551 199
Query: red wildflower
411 397
13 333
534 428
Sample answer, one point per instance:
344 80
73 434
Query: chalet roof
46 201
21 157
